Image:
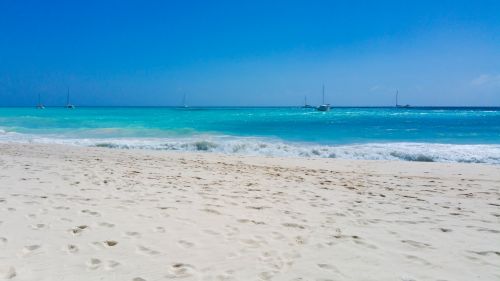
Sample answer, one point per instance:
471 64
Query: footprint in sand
111 264
418 260
159 229
211 211
300 240
294 225
146 251
186 244
92 213
3 241
7 272
327 266
110 243
31 203
106 224
71 248
360 242
78 230
180 270
252 243
138 279
94 263
27 250
38 226
416 244
132 234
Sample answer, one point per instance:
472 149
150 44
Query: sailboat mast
39 99
67 98
323 93
397 93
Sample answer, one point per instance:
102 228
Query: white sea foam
407 151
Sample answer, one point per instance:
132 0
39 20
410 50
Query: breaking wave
406 151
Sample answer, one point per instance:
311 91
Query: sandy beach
75 213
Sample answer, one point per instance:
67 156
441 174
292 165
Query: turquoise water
416 134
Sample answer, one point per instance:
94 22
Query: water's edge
405 151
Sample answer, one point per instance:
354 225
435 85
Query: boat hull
324 107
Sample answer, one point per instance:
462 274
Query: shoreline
83 213
252 158
486 153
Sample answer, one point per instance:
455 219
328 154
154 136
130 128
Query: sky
250 53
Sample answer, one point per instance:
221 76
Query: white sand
70 213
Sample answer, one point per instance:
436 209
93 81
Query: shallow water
414 134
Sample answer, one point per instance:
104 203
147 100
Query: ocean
431 134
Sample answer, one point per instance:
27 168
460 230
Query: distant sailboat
397 104
184 104
40 105
68 104
305 103
324 106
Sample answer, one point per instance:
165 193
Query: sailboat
184 104
305 103
324 106
68 104
397 104
40 105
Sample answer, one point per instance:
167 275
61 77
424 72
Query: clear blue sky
250 52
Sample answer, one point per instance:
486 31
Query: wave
406 151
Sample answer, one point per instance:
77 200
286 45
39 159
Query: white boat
307 105
324 106
40 105
68 104
397 104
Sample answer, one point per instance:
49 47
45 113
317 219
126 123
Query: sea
427 134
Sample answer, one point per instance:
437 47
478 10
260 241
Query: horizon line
258 106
